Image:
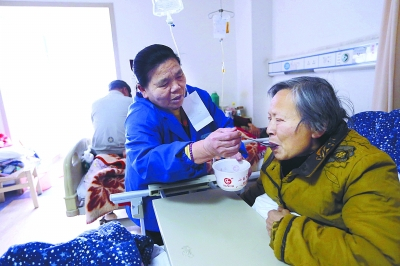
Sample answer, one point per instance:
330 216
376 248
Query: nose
175 86
270 128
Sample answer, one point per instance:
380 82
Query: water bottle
215 99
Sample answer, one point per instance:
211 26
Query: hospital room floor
20 222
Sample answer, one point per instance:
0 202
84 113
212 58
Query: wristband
191 151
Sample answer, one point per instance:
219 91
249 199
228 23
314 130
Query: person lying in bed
345 190
167 139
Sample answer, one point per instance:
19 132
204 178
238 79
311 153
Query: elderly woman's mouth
272 145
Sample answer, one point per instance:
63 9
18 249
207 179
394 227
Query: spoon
260 142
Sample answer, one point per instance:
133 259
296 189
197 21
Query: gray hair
317 102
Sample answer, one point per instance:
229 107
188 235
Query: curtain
386 93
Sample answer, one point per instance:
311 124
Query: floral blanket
105 176
111 244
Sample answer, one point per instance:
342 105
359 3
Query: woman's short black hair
149 59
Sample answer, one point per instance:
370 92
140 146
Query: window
55 61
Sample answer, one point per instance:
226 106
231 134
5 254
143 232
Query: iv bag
166 7
221 25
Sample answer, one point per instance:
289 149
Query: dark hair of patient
317 102
149 59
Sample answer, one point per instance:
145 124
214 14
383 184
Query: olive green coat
348 196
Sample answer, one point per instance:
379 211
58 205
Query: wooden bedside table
32 181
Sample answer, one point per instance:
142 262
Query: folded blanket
103 180
8 167
111 244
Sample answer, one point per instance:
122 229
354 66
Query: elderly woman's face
291 139
167 86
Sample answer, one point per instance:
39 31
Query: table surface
213 227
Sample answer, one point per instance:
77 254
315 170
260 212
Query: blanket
103 179
111 244
8 167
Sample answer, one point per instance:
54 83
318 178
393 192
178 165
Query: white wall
306 26
254 46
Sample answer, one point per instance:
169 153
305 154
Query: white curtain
387 72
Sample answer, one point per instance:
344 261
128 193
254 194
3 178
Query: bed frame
73 174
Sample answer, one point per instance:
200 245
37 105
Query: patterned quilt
111 244
105 176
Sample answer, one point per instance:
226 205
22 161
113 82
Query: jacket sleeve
371 213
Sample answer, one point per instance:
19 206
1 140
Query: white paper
196 111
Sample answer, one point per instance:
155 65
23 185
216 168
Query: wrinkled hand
275 216
223 142
254 130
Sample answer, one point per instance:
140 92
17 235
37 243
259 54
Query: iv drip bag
221 25
166 7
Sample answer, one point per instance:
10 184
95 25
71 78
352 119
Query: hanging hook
231 14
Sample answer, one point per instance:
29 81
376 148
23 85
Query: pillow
12 152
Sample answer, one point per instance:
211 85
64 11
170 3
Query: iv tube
223 72
176 46
173 39
166 8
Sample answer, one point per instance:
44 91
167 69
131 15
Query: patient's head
301 112
316 101
122 86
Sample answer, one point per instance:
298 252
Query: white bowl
231 175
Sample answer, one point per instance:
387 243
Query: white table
213 227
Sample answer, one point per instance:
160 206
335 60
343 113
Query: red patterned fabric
256 151
107 181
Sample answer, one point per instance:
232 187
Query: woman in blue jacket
164 141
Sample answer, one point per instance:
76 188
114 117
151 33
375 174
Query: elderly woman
165 142
345 190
